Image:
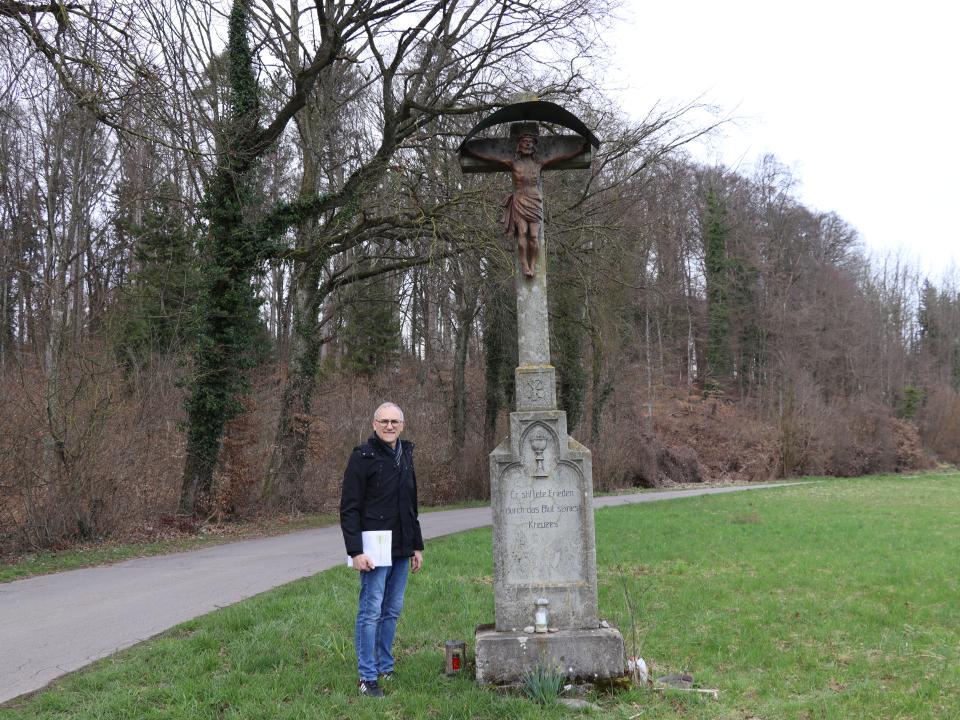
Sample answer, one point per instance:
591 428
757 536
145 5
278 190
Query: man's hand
363 563
416 562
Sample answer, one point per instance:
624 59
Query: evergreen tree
568 335
155 306
927 316
371 331
500 350
715 233
742 277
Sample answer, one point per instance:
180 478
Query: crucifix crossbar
525 154
549 146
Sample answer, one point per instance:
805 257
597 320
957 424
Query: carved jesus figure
523 208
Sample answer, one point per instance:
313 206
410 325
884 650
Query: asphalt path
53 624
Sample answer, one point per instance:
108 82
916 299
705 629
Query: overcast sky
860 99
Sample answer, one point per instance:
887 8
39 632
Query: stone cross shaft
535 376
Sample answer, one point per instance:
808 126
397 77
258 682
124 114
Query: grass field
839 599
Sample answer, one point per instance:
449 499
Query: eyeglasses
390 422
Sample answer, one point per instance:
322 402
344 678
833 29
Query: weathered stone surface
543 537
504 657
578 704
536 387
533 333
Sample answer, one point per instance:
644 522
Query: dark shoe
370 688
387 677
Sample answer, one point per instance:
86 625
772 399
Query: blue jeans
381 599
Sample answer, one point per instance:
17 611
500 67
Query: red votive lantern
456 651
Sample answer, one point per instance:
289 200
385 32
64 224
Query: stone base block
504 657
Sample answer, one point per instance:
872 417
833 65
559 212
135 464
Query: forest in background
229 230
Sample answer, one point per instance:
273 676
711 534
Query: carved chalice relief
539 443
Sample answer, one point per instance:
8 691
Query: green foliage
244 91
909 402
543 685
927 313
500 352
154 309
371 330
230 255
568 334
717 353
939 338
744 314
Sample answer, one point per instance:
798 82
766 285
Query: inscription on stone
540 522
543 503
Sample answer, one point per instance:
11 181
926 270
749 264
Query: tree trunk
465 315
499 349
284 484
228 260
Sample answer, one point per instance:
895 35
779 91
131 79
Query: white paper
378 546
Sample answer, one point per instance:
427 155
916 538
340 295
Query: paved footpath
53 624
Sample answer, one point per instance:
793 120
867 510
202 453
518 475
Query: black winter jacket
379 495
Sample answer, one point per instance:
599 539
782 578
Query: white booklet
378 546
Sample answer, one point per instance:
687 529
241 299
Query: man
380 493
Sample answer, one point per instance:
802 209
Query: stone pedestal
541 494
584 654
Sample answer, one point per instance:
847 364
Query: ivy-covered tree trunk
229 255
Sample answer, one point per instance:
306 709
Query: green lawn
839 599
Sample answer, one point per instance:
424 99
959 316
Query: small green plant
543 685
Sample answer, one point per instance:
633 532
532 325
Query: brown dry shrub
730 442
100 465
857 437
939 422
911 455
342 416
119 468
236 480
629 454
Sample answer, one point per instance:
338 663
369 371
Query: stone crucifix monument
541 482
